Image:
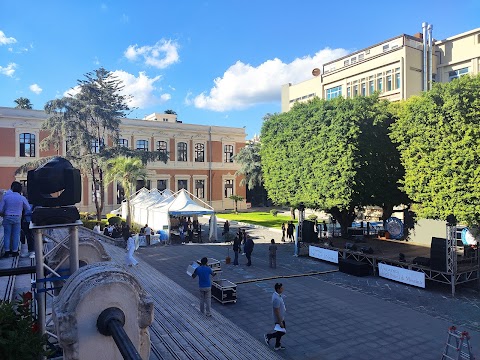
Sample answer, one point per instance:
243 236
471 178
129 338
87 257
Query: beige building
396 68
200 156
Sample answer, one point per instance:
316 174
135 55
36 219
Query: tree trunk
344 218
292 213
129 216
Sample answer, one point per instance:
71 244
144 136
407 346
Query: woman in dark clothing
236 248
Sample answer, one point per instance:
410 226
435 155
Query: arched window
182 151
199 152
27 145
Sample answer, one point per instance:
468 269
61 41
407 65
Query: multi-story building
396 68
200 156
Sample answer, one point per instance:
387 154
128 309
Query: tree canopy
438 135
250 165
332 155
23 103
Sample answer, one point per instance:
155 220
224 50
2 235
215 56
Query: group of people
16 212
187 228
289 229
205 273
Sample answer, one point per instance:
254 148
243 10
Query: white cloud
161 55
4 40
243 85
9 70
142 88
36 89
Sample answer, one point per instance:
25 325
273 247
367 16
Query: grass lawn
258 218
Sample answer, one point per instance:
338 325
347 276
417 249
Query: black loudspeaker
308 233
54 184
422 261
438 254
353 267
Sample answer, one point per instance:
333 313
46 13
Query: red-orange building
201 156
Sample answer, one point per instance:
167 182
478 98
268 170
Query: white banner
323 254
402 275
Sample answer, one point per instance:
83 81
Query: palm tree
126 171
23 103
236 199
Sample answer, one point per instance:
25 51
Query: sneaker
15 253
24 254
208 315
279 348
267 340
7 254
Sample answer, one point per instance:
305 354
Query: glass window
142 184
389 82
360 57
27 145
96 146
385 47
200 189
355 90
123 142
182 184
142 145
397 80
162 146
354 60
345 63
379 84
228 188
348 92
364 89
457 73
199 152
371 85
182 151
228 153
161 185
333 92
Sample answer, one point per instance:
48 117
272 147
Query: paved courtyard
330 315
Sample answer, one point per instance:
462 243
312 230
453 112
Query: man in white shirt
279 310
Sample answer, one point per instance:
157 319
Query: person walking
237 244
130 260
11 208
226 228
205 285
283 231
278 310
248 248
272 254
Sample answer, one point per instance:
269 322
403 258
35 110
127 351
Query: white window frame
17 142
205 186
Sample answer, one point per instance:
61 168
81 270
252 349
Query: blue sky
214 62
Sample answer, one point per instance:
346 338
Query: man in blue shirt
11 207
205 284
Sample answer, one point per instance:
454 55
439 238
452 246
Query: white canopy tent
156 208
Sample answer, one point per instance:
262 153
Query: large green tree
89 121
438 135
333 155
23 103
250 165
126 171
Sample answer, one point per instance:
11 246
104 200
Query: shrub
114 219
274 212
20 337
312 217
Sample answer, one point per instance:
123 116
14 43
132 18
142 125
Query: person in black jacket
237 244
248 248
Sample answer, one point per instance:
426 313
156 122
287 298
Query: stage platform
375 251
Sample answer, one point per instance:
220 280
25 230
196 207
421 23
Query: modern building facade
396 68
200 156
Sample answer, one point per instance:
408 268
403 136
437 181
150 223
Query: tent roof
183 205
